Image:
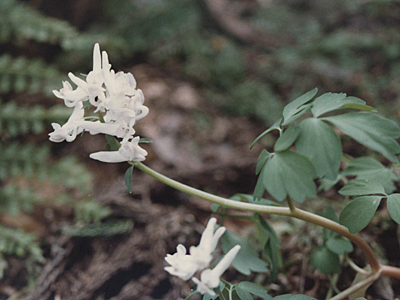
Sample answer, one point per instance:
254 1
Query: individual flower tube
208 242
210 279
181 264
71 129
129 151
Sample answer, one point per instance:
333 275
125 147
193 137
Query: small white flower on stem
70 95
71 129
210 279
129 151
208 242
182 265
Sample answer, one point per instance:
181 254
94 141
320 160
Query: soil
198 145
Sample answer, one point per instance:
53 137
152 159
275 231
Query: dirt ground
198 145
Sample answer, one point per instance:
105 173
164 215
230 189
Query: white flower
211 278
129 151
71 129
182 265
70 95
115 97
120 129
208 242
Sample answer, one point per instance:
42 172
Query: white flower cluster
119 104
186 265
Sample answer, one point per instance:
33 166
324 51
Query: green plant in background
308 154
26 164
242 79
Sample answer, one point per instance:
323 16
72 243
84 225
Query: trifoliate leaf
359 212
287 139
393 206
247 259
254 289
275 126
360 187
264 155
243 294
370 168
325 260
331 101
339 245
319 142
371 130
128 178
297 107
289 173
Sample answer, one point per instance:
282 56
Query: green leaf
297 107
370 168
293 297
254 289
393 206
361 187
286 139
289 173
371 130
339 245
250 199
247 259
86 104
243 294
271 245
113 142
331 101
359 212
145 140
319 142
264 155
128 178
275 126
325 260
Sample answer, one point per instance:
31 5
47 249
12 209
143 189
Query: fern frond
27 75
14 199
72 174
19 22
91 212
23 159
102 229
20 120
23 245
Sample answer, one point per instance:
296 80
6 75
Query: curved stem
364 283
284 211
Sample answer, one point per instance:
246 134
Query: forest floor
198 145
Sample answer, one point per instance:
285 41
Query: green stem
364 283
284 211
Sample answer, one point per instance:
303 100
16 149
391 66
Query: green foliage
90 212
23 245
20 120
100 229
22 22
20 74
15 199
326 257
318 147
247 259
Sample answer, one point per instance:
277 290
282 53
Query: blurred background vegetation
245 57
